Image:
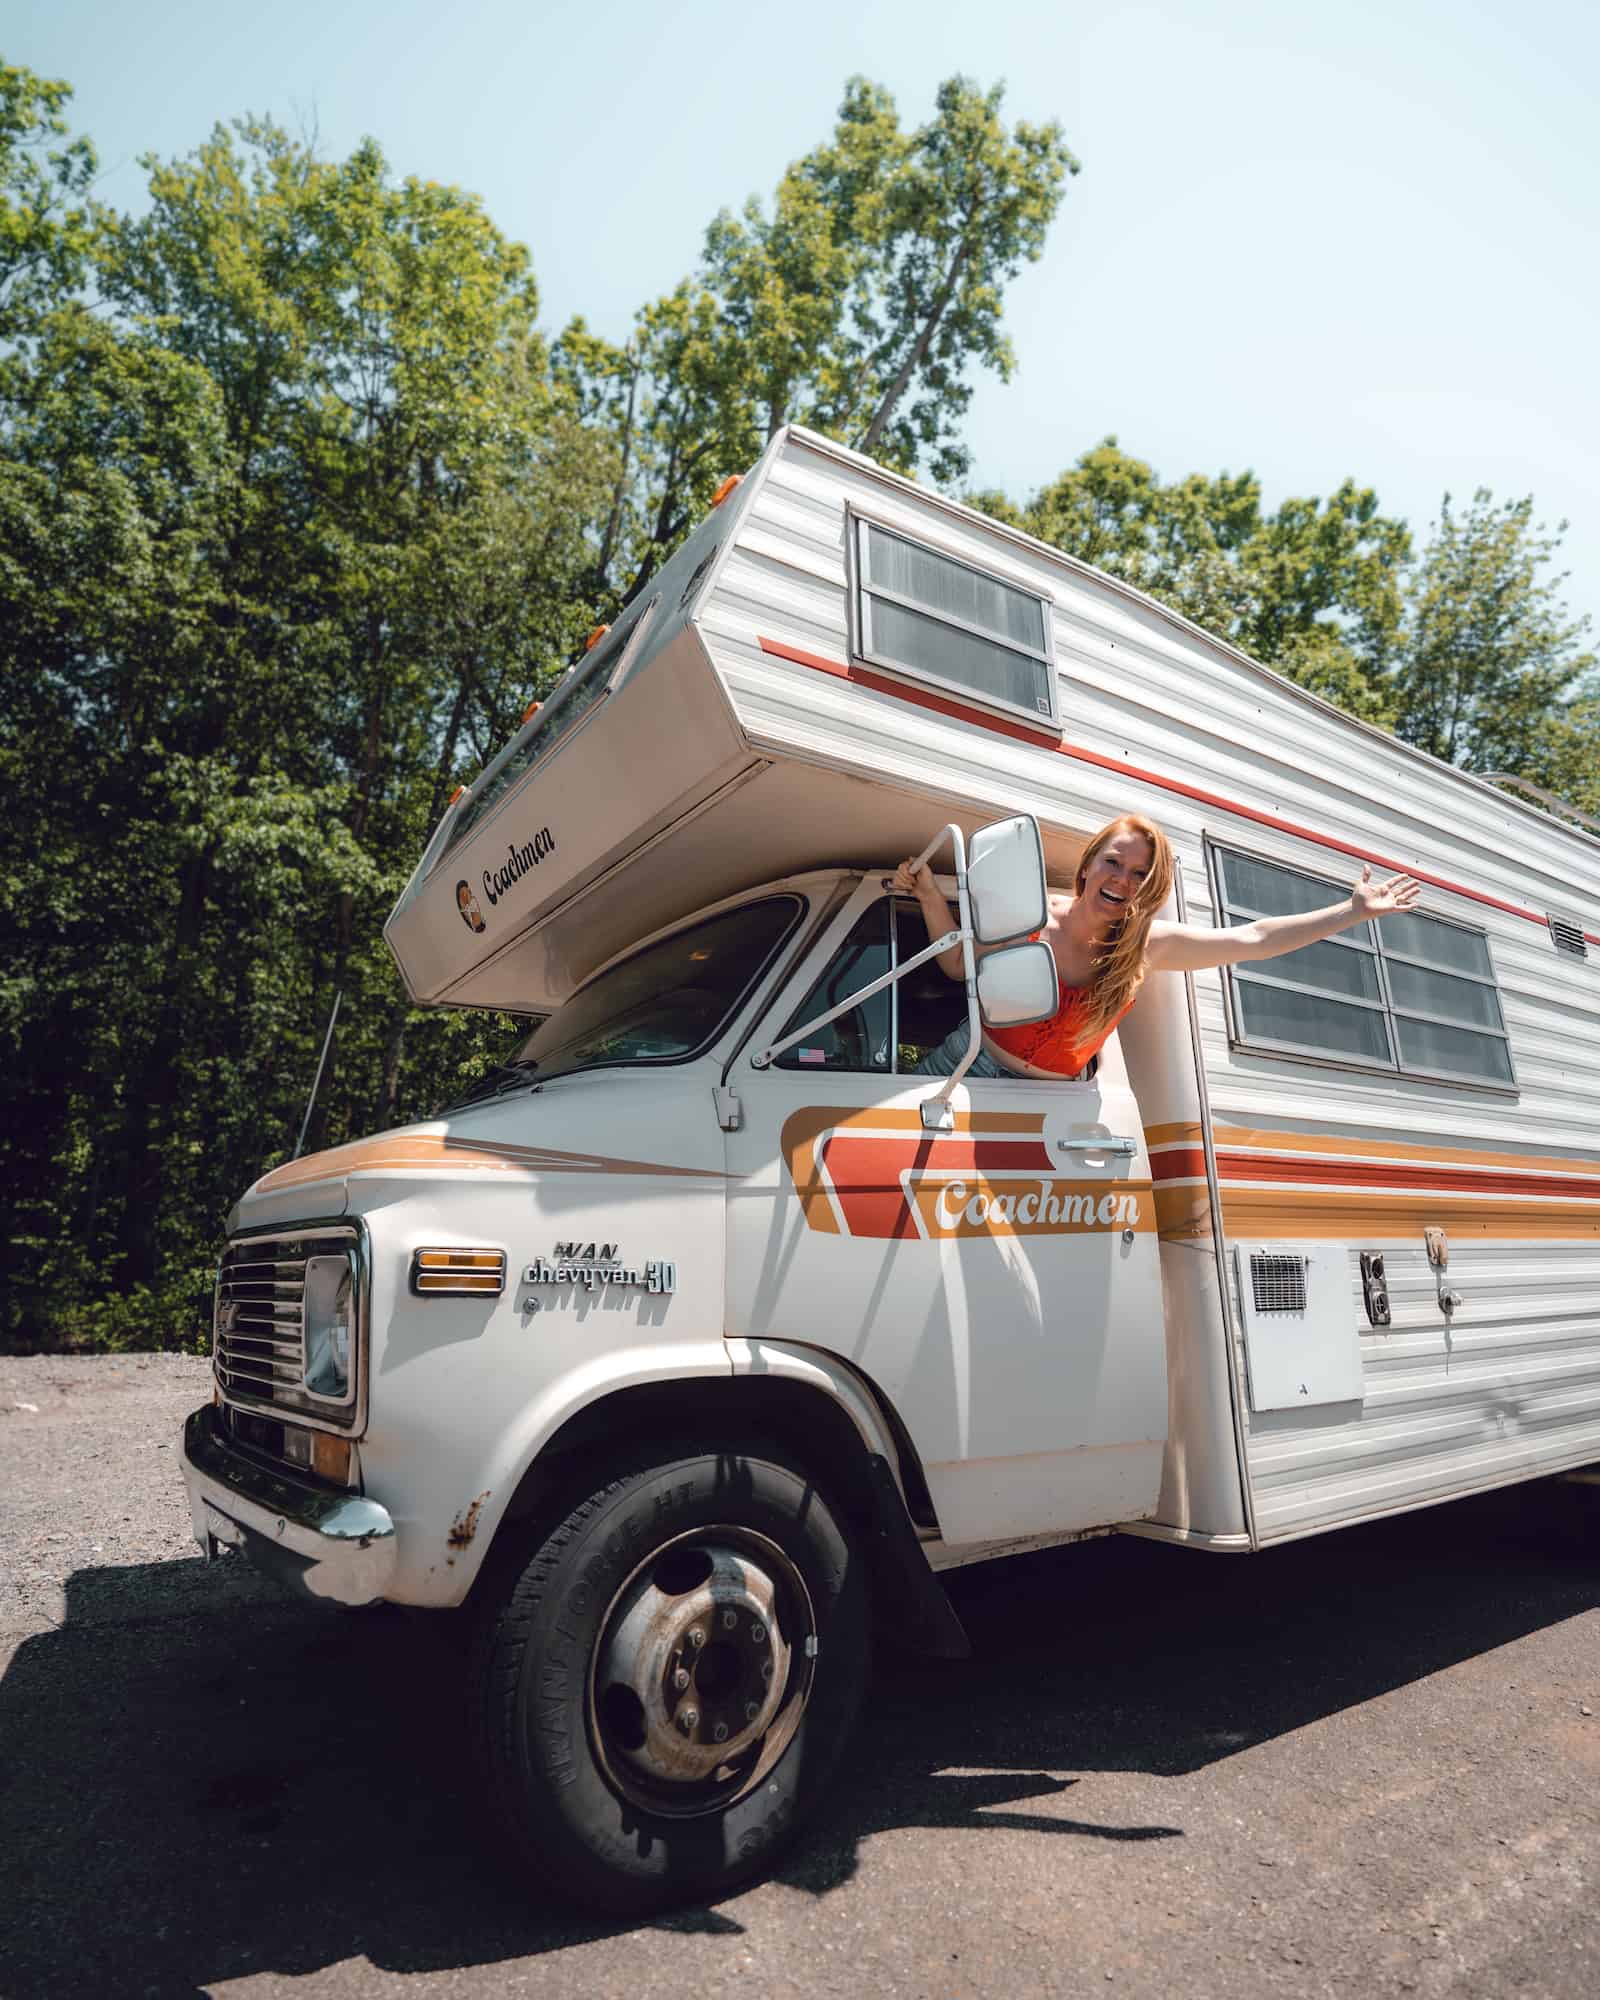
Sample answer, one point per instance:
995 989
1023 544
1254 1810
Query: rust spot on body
465 1525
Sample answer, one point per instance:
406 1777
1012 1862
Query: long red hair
1122 963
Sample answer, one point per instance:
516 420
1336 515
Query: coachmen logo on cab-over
517 863
877 1173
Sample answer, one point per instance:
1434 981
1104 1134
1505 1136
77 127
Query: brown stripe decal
443 1152
1347 1216
1307 1184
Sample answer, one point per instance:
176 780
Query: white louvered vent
1568 937
1277 1284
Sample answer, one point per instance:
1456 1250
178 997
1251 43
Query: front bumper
323 1542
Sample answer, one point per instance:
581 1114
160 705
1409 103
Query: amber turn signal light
330 1457
458 1273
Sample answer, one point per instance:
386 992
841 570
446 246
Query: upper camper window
927 614
1412 994
666 1002
891 1031
577 691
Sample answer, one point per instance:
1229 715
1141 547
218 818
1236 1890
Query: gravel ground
91 1482
1366 1765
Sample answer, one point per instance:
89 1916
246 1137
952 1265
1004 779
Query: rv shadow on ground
200 1782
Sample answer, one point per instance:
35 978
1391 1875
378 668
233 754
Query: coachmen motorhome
707 1330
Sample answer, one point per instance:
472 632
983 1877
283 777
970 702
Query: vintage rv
706 1330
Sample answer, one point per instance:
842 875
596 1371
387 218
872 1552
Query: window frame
862 589
1250 1042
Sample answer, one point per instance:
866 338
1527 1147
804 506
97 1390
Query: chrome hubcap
702 1669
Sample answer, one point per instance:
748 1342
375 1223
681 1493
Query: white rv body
1041 1334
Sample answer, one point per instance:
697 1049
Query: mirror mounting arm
877 985
937 1115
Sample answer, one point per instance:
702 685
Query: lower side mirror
1017 985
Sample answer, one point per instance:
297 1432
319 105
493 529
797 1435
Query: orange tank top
1059 1044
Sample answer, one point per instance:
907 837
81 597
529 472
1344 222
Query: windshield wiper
509 1075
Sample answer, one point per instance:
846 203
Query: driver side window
890 1032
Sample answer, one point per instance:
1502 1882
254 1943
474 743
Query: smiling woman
1106 937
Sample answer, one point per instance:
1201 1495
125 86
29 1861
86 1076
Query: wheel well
816 1429
789 1413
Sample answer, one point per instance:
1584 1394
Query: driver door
998 1284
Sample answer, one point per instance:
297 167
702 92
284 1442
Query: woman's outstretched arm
1190 947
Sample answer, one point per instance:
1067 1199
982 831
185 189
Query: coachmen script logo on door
877 1173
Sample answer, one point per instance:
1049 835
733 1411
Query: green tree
47 216
1312 589
285 545
859 303
1488 652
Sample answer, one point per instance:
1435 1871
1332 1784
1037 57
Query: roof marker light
595 637
726 488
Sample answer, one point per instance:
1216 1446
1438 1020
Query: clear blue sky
1314 240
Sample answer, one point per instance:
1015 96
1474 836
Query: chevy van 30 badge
877 1173
595 1264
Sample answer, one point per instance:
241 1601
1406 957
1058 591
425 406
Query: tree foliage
859 303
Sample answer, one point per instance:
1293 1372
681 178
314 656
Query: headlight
329 1326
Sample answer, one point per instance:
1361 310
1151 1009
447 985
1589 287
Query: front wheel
664 1691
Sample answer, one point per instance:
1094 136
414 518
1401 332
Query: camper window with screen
1414 994
927 614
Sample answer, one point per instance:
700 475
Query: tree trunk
393 1055
919 348
608 541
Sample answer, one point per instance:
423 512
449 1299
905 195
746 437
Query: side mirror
1005 879
1017 985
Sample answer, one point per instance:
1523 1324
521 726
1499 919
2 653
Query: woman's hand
1378 899
913 878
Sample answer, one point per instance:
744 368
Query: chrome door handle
1097 1146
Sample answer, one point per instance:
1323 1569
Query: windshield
666 1002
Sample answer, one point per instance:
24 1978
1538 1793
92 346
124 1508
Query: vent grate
1568 937
1277 1283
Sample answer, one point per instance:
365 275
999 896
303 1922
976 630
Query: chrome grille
258 1324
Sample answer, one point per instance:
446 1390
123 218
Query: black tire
692 1581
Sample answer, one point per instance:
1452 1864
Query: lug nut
688 1720
680 1678
758 1632
766 1670
720 1733
751 1710
729 1620
697 1637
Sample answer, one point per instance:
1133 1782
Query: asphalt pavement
1367 1764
